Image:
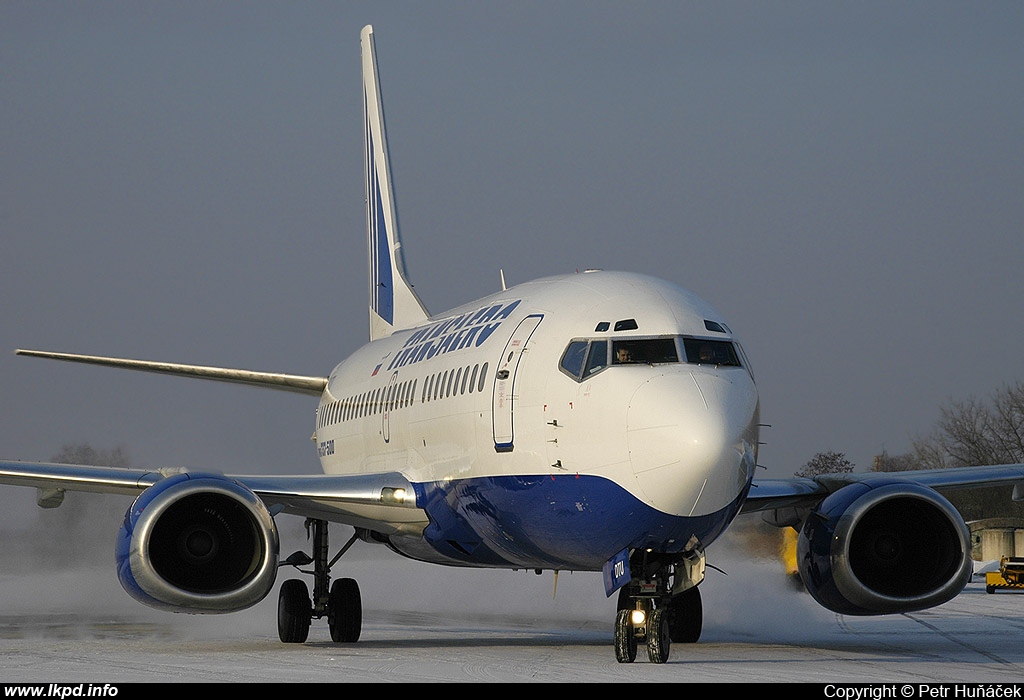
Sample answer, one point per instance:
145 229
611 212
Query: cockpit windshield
644 350
703 351
584 358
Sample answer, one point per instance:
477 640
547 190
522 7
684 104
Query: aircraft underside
567 522
561 522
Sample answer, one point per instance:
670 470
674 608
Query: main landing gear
660 605
342 605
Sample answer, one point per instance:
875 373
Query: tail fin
393 303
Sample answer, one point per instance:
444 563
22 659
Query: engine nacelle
198 543
884 547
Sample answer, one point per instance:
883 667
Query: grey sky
183 182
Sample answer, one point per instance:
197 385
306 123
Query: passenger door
504 397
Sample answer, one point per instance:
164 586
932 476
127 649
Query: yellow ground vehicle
1010 575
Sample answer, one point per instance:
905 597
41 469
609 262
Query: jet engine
198 543
884 547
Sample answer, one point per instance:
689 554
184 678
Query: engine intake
198 543
884 547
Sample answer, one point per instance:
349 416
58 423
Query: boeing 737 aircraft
596 421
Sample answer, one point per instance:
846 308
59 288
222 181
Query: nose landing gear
662 606
633 626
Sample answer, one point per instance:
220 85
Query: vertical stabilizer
393 303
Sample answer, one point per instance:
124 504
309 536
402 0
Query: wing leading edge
782 495
302 384
383 502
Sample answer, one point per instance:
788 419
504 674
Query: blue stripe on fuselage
569 522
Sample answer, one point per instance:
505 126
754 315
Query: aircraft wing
802 493
301 384
384 502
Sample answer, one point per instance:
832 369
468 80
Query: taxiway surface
756 630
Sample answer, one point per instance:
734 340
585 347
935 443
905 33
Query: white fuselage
480 401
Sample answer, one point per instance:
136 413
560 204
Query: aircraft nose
692 439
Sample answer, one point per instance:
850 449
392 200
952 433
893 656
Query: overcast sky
183 182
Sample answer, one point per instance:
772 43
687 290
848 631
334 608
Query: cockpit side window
583 358
597 359
745 360
702 351
573 357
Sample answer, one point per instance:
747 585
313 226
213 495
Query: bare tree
84 453
896 463
826 463
82 530
974 432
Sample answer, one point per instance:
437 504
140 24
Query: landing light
638 617
392 495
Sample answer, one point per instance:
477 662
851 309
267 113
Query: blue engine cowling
198 543
884 547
